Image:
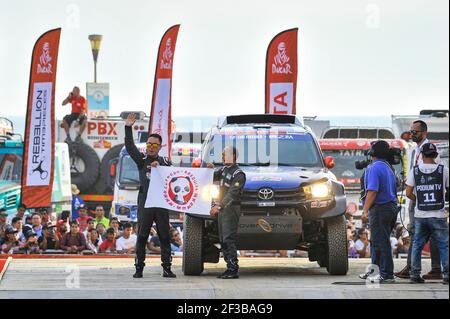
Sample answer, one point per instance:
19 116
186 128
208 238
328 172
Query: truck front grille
11 200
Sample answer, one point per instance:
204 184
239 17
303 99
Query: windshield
10 166
344 161
266 149
128 171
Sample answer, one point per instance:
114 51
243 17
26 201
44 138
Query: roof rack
261 119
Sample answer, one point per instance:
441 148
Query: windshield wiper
129 180
255 164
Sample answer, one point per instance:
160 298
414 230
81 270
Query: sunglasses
414 132
154 145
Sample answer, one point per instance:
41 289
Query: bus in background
11 149
11 160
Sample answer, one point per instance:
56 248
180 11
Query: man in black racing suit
227 208
146 216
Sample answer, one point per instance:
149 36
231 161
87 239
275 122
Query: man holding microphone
146 216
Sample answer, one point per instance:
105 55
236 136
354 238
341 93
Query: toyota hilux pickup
291 199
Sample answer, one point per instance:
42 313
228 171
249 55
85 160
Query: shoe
68 140
366 275
167 273
433 275
138 273
381 280
222 274
230 274
445 281
416 280
404 273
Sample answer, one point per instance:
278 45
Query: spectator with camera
31 244
114 224
49 239
426 186
380 209
362 244
64 219
11 244
73 241
45 216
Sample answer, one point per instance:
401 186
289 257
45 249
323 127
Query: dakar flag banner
161 112
186 190
39 141
281 73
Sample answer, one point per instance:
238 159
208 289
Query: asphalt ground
260 278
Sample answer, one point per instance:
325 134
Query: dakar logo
181 189
166 62
281 65
44 65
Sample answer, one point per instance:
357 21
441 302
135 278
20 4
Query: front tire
337 253
192 246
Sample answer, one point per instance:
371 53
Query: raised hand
130 119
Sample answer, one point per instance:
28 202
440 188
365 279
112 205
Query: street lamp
96 40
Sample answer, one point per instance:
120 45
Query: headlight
319 190
211 192
214 191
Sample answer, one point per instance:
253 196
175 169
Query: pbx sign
101 128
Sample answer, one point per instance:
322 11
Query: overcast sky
356 57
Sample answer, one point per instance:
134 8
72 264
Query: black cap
30 233
429 149
380 149
82 206
10 230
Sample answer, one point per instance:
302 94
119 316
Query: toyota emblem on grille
265 193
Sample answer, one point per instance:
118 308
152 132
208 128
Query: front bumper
286 199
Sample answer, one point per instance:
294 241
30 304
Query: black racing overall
146 216
231 180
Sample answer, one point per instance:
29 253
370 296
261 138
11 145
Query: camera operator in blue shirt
381 209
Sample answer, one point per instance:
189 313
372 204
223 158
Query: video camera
393 157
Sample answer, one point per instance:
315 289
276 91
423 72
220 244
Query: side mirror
197 162
329 162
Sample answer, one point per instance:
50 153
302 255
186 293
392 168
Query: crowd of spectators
82 233
359 240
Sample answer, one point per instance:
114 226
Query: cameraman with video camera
380 208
